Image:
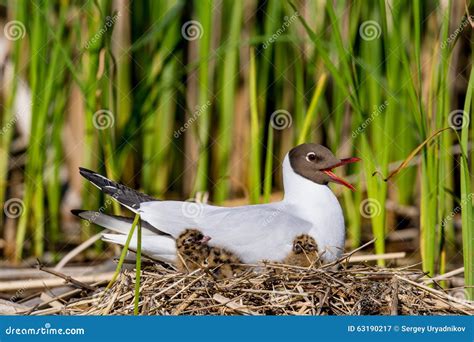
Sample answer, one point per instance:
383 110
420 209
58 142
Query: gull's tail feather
118 224
121 193
155 244
155 247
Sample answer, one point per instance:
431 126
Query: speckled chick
224 264
192 250
304 252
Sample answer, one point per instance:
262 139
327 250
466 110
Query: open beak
205 239
337 179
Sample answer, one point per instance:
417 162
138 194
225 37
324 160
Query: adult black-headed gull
252 232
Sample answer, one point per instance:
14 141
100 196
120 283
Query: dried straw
275 289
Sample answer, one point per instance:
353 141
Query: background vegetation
183 98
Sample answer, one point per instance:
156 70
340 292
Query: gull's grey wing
254 233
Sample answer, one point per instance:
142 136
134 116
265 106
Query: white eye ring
311 156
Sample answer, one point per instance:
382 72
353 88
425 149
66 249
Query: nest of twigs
276 289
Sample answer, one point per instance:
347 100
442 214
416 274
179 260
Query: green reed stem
311 113
125 251
203 111
467 215
254 172
138 264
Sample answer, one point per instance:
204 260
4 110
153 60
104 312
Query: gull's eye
199 237
311 157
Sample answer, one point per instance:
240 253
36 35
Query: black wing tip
121 193
85 170
95 178
78 212
86 173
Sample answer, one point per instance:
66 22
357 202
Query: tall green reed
17 11
227 89
42 79
204 14
467 215
160 93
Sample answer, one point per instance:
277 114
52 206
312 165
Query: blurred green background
185 99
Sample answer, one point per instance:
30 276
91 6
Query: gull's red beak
337 179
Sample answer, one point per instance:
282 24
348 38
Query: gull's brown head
316 163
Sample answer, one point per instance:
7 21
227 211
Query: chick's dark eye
311 156
199 237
